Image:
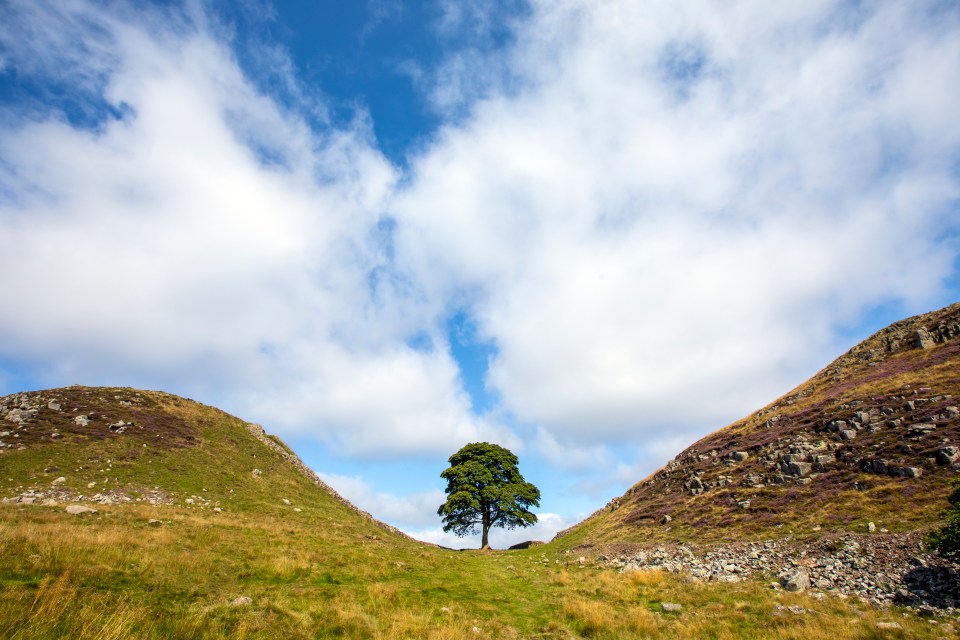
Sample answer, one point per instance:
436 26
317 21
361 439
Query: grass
325 571
110 575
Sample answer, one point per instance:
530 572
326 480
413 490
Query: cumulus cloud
194 233
658 215
668 222
548 525
412 512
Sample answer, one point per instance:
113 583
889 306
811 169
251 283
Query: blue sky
591 232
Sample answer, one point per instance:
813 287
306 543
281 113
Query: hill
861 455
131 513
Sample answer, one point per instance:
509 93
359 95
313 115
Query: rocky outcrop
883 568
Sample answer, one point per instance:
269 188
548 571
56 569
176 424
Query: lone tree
485 489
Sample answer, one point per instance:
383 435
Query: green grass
110 575
323 572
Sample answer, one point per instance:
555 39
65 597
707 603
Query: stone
884 626
286 502
297 509
665 519
922 339
53 405
79 509
82 420
217 510
798 468
847 434
59 480
256 473
189 501
948 455
871 528
796 610
824 584
739 456
242 601
796 581
950 413
671 607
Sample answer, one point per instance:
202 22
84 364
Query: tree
485 489
946 541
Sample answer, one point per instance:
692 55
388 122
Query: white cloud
661 214
415 511
663 241
547 526
210 241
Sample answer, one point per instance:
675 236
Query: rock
948 455
82 420
59 480
256 473
242 601
665 519
796 610
297 509
871 528
798 468
154 522
79 509
883 626
286 502
53 405
671 606
739 456
950 413
922 339
796 581
217 510
848 434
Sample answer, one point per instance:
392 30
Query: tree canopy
485 489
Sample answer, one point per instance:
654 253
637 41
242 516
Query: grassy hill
203 526
870 438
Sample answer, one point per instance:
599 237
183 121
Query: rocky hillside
868 444
93 447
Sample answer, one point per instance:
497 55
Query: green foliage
946 541
485 489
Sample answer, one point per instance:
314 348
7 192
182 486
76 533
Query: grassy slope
325 571
844 498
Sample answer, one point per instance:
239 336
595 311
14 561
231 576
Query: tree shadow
935 586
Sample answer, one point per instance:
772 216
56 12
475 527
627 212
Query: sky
591 232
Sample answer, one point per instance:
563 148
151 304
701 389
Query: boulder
796 581
79 509
798 469
922 339
671 606
948 455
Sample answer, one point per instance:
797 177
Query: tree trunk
484 541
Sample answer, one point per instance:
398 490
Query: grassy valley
199 525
